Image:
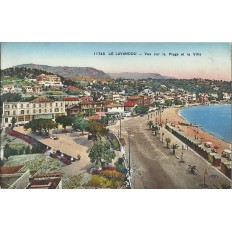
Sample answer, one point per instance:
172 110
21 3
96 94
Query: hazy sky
214 62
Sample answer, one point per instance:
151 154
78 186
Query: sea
214 119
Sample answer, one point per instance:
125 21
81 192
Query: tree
150 124
27 150
47 125
174 147
26 126
11 97
40 125
13 121
168 102
64 121
91 112
167 140
98 130
141 109
101 153
79 123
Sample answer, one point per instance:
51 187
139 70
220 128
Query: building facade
24 112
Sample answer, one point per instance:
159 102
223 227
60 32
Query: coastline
172 115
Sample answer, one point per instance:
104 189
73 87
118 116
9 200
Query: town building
37 89
24 112
140 100
7 89
129 106
73 110
115 108
49 80
89 107
69 101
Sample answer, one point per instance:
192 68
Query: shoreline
172 115
199 128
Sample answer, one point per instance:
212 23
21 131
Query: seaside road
154 166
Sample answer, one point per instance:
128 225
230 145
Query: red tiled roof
129 104
71 99
42 99
10 169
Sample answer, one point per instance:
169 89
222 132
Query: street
154 166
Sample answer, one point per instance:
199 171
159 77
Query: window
45 110
34 111
27 105
34 105
39 104
27 111
14 112
56 104
50 110
22 111
61 104
21 105
6 119
39 110
51 104
56 109
7 113
21 119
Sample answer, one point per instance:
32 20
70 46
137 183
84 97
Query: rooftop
44 183
41 99
129 104
10 169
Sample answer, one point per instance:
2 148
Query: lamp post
129 133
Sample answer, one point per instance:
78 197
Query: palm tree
150 124
155 128
168 140
174 147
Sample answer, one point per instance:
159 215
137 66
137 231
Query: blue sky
214 62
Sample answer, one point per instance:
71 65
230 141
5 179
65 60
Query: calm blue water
215 119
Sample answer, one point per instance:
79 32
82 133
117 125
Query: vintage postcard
115 115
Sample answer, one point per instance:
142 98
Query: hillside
136 75
21 72
66 71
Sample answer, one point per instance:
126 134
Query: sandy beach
172 115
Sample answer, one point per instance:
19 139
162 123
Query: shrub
113 174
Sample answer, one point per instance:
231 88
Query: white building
49 80
226 96
24 112
7 89
115 108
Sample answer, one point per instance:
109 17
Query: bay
214 119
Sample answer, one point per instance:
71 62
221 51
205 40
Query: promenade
154 166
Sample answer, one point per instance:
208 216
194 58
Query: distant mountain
136 75
66 71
